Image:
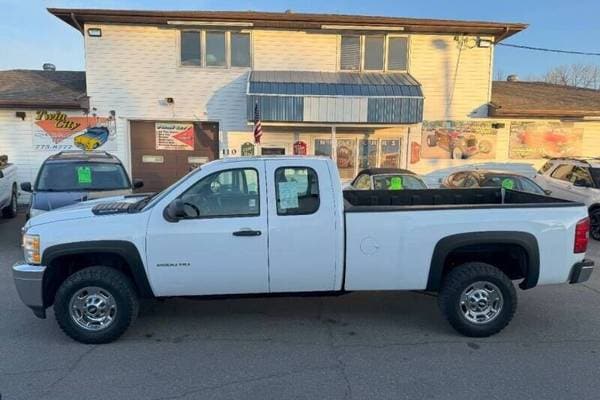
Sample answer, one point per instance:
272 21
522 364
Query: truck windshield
81 176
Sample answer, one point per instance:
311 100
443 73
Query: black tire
110 280
595 224
463 277
10 211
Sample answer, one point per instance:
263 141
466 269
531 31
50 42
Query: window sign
323 147
288 195
390 153
300 148
367 153
346 157
247 149
84 175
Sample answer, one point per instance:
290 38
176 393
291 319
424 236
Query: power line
582 53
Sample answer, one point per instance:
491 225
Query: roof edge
77 17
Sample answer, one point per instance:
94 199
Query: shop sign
415 152
247 149
458 140
541 139
174 136
300 148
57 131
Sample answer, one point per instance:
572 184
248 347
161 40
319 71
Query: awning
329 97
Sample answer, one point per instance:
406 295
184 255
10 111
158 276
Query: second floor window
215 49
374 53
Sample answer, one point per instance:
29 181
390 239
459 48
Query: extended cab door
305 232
220 247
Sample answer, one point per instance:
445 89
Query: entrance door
159 163
221 245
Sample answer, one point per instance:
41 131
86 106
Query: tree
580 75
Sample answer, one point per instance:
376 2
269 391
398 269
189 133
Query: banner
174 136
57 131
540 139
458 140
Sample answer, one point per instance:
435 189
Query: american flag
257 124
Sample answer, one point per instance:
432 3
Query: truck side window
296 190
581 176
230 193
363 182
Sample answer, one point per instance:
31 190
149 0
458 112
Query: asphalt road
359 346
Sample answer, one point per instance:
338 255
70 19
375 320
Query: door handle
247 232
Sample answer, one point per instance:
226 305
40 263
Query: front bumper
581 271
29 280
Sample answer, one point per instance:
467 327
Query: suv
72 176
574 179
490 178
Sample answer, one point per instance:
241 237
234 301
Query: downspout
77 24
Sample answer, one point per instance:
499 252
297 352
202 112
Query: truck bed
385 200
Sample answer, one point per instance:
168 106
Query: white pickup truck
8 188
277 225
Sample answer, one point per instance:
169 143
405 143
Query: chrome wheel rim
481 302
93 308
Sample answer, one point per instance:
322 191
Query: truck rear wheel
477 299
96 305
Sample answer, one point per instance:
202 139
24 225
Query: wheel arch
447 246
116 253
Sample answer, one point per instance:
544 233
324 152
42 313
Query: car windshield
397 182
81 176
595 172
512 182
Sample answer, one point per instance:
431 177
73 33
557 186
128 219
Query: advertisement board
541 139
458 140
174 136
58 131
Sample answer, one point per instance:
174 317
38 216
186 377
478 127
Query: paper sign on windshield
288 195
396 183
508 184
84 175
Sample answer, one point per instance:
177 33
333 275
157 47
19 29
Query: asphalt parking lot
359 346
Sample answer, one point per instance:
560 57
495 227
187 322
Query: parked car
8 188
575 179
491 178
73 176
92 138
273 225
460 145
386 179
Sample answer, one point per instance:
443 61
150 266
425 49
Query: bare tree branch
580 75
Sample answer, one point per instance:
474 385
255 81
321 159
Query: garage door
162 152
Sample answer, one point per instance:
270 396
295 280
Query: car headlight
31 249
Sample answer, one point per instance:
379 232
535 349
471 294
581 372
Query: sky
30 36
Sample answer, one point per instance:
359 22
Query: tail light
582 236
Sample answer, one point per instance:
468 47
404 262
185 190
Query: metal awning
344 97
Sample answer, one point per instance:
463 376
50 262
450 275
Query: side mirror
138 183
175 211
26 187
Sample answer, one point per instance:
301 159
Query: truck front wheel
477 299
96 305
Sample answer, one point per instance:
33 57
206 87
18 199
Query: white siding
16 141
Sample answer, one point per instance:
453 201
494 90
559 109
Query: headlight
31 249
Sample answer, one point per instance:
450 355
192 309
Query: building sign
540 139
174 136
58 131
415 152
458 140
300 148
248 149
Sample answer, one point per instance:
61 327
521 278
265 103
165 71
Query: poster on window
460 140
367 151
390 153
58 131
540 139
174 136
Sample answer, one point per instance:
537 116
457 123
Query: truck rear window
81 176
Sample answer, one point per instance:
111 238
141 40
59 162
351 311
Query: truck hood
48 201
80 210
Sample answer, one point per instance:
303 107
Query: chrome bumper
581 271
29 281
